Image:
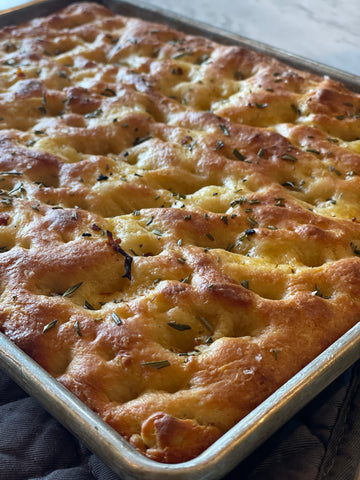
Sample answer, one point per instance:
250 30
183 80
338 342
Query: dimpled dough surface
179 220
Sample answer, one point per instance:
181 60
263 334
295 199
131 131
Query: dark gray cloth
322 442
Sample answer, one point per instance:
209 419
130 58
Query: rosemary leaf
238 155
88 305
289 157
116 318
157 364
72 289
77 328
179 326
49 326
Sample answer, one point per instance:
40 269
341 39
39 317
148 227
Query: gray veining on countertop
326 31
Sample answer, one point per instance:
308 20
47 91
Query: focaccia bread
179 220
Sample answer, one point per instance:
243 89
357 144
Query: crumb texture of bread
179 220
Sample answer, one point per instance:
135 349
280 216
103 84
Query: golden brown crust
179 223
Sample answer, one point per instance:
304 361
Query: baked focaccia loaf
179 223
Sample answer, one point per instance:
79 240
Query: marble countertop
326 31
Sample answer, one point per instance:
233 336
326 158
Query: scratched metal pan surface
256 427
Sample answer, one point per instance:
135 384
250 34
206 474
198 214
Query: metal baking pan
251 431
